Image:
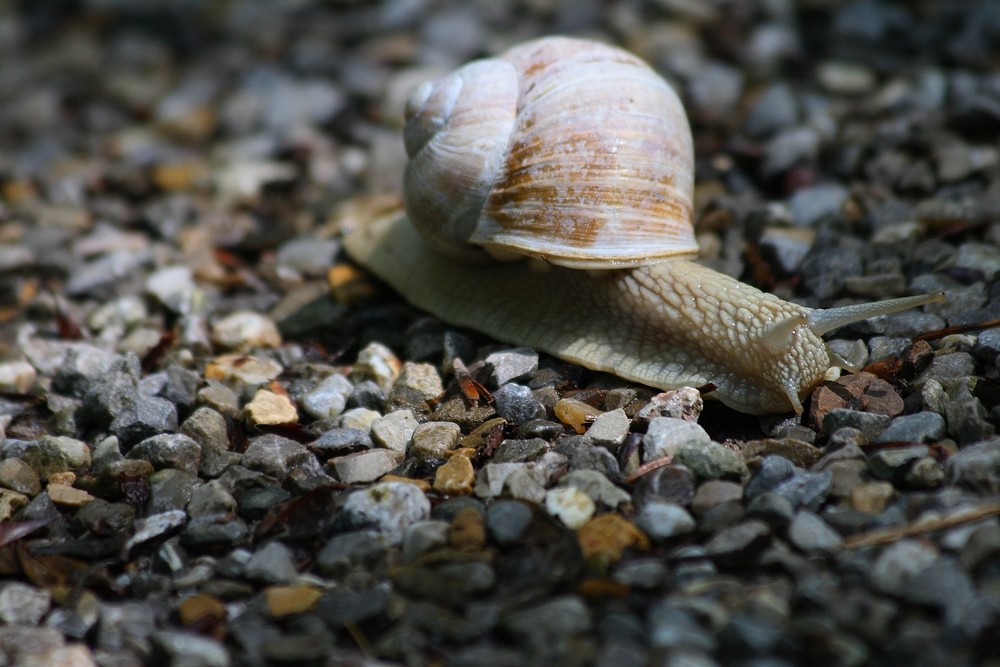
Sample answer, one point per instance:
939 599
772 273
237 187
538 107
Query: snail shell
514 155
578 154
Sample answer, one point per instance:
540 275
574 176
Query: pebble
274 563
807 489
285 601
604 540
208 428
556 618
672 482
597 487
144 418
169 451
919 427
434 439
510 365
772 471
329 398
269 408
22 604
155 525
711 460
517 404
739 543
67 496
609 429
810 533
389 507
377 363
240 369
898 563
570 505
17 475
276 456
456 476
870 424
662 520
507 520
189 648
713 493
872 497
683 403
574 413
17 377
394 430
519 451
666 435
812 204
244 331
976 467
355 548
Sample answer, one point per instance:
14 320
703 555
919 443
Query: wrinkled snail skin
666 325
578 154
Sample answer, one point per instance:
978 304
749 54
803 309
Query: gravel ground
221 443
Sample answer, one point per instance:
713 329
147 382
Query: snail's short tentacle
823 321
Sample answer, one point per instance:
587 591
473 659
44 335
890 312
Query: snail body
602 182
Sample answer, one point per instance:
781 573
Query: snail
578 154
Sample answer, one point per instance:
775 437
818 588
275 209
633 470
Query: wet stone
519 451
509 365
516 403
273 563
662 520
508 520
208 428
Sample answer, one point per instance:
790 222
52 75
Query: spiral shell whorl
457 128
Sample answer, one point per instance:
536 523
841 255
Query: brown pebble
468 530
575 414
68 478
419 483
203 612
872 498
61 494
288 600
456 476
861 391
604 539
349 284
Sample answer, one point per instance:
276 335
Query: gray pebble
169 450
434 439
870 424
507 520
208 428
947 368
811 204
342 606
662 520
517 404
892 464
976 467
740 543
810 533
101 517
146 417
276 456
715 492
50 454
898 563
328 398
171 489
773 508
555 618
673 482
925 473
666 435
339 441
597 487
509 365
394 430
22 604
674 627
273 563
309 256
210 498
807 489
881 348
341 552
367 394
366 466
609 429
423 536
711 460
188 648
520 451
214 531
775 109
772 471
919 427
388 506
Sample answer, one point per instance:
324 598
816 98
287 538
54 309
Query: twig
887 535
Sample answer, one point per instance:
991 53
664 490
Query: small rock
359 418
419 381
209 429
467 531
715 492
925 473
666 435
773 508
17 377
53 454
456 476
517 404
898 563
662 520
268 408
394 430
434 439
169 450
508 520
570 505
576 414
976 467
214 531
367 466
597 487
154 526
872 497
21 604
870 424
362 548
711 460
284 601
329 398
272 564
893 463
519 451
740 543
17 475
424 536
338 441
609 429
211 498
276 456
920 427
683 403
184 648
146 417
67 496
807 489
377 363
509 365
243 369
244 331
772 471
555 618
846 78
604 538
672 482
388 506
810 533
811 204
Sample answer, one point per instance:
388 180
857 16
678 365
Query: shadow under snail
578 154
